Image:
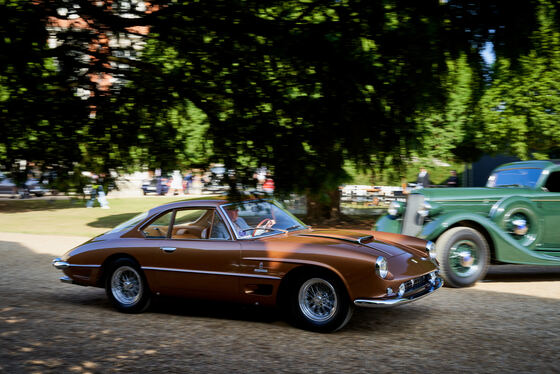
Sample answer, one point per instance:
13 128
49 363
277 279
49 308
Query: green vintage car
514 219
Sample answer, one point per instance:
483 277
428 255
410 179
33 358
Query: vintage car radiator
412 223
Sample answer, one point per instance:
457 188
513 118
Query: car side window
192 224
158 229
553 182
219 229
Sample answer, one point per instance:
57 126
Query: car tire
319 302
463 255
126 286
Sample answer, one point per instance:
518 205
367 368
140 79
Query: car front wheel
126 286
463 255
319 302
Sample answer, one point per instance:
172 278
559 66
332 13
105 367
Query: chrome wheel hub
464 258
317 300
467 260
126 285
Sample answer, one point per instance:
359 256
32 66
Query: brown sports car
253 252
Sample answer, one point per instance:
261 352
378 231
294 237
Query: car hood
362 240
471 193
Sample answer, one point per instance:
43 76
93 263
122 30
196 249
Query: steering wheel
263 225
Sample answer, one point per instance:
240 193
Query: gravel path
508 324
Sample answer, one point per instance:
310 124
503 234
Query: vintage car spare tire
463 255
318 301
516 216
126 286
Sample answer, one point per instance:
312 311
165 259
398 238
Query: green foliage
521 108
319 92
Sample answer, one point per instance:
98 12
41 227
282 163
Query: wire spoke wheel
317 300
126 285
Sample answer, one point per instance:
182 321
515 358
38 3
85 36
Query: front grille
415 284
412 223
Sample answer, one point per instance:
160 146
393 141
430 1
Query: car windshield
522 177
130 223
260 218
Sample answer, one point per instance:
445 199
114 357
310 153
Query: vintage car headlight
429 209
424 211
395 209
431 249
381 267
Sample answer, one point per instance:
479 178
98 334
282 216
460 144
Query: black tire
334 310
126 286
463 255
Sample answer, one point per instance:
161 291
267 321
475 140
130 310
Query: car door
192 259
549 204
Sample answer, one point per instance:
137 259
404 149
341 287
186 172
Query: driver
239 224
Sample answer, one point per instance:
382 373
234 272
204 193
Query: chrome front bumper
59 264
389 302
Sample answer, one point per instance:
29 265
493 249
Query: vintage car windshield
130 223
521 177
260 218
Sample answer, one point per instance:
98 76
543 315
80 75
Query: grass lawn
70 216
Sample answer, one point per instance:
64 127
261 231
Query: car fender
508 208
505 247
433 229
388 224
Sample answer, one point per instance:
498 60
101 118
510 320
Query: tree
521 108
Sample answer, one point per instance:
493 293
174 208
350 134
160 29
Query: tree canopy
302 86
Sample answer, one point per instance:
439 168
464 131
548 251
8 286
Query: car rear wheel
319 302
463 255
126 286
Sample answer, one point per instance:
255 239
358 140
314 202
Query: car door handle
168 249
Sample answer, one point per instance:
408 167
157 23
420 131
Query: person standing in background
453 180
423 180
176 183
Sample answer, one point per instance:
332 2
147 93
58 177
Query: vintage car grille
415 284
412 223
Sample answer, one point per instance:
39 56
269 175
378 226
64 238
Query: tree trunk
323 208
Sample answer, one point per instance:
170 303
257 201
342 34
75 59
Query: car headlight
431 249
381 267
429 209
395 209
424 211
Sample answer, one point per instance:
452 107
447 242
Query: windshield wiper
511 185
293 227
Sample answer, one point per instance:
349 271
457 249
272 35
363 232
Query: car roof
540 164
194 203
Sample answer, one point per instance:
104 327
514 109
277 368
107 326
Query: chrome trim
84 266
59 264
168 249
210 272
66 279
384 303
367 237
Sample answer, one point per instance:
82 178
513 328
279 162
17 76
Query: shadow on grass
28 205
113 220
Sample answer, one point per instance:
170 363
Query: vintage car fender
512 207
505 247
388 224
